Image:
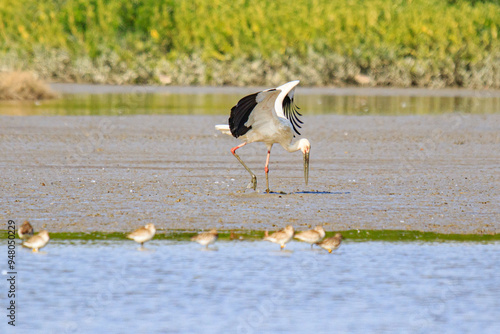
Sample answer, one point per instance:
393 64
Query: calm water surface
220 104
252 287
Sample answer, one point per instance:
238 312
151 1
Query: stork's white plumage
271 117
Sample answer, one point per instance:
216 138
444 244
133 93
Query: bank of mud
112 174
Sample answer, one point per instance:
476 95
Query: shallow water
220 104
252 287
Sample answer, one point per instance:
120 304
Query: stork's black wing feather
240 113
291 112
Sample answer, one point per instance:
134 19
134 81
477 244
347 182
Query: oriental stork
271 117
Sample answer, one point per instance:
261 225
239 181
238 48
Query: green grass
351 235
432 43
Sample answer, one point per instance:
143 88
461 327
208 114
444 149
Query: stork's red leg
233 150
253 183
266 169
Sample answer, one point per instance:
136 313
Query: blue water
252 287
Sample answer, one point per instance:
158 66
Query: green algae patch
250 235
401 235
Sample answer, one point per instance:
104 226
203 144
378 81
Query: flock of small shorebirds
316 236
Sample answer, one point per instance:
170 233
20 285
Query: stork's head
305 147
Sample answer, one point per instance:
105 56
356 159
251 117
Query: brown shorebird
331 243
37 241
281 237
25 231
206 238
311 236
143 234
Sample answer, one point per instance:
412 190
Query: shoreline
257 235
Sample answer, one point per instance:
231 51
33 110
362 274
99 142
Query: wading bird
271 117
25 231
281 237
332 243
206 238
37 241
143 234
311 236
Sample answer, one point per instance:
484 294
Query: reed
424 43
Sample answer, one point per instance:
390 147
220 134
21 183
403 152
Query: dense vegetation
431 43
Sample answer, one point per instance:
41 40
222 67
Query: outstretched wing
240 113
290 110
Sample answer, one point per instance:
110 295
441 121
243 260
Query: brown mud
80 174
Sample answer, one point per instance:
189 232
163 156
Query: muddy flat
98 173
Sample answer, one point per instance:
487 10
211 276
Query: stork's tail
224 128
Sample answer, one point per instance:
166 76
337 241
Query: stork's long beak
306 167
